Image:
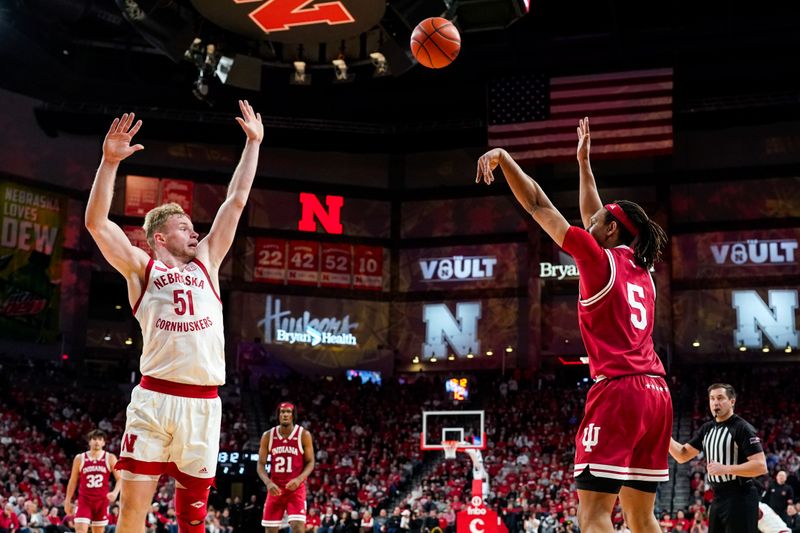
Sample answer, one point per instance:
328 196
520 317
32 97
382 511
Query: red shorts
626 429
92 512
292 503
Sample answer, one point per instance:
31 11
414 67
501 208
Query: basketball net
450 448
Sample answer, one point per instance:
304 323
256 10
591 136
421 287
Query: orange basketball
435 42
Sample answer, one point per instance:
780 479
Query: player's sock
190 508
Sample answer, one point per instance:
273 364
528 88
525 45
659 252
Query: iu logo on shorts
129 442
590 437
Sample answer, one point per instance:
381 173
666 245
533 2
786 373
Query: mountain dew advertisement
31 246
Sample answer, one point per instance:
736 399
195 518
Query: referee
735 456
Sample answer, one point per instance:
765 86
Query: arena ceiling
91 58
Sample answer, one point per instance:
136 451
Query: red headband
618 213
286 405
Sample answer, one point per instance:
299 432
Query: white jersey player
173 420
769 521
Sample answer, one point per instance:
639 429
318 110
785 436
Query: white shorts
173 435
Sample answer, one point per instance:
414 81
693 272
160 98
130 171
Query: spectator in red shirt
312 521
9 523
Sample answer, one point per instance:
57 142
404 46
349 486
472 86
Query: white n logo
591 435
777 321
441 326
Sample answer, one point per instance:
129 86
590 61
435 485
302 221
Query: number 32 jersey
93 484
180 314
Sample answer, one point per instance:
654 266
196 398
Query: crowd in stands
370 475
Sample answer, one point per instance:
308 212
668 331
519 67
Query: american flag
630 114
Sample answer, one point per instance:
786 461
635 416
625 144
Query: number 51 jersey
180 313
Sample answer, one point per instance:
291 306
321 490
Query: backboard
466 427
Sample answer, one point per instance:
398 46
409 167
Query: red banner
336 269
368 267
303 263
141 195
137 237
178 191
270 259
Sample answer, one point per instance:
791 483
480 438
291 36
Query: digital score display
236 463
457 388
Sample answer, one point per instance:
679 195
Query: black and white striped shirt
729 443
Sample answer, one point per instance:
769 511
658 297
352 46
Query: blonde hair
155 219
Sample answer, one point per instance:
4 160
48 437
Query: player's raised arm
219 239
112 241
527 192
590 201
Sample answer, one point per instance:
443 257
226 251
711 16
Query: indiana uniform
93 489
286 458
625 432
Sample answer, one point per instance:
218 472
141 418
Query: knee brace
191 506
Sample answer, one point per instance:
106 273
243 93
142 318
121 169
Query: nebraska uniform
627 423
286 463
93 487
173 420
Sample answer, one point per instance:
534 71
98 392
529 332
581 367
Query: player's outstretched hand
584 139
486 165
68 507
250 121
293 484
117 144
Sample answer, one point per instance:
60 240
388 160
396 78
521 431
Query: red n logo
281 15
128 442
330 219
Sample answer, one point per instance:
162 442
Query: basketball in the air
435 42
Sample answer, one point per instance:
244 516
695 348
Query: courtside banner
318 334
488 266
335 265
31 250
746 321
736 254
475 331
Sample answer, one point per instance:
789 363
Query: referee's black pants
734 511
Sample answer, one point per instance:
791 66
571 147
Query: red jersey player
90 475
623 441
291 452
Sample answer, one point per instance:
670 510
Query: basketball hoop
450 448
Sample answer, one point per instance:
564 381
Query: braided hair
651 241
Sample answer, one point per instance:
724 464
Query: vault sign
294 21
